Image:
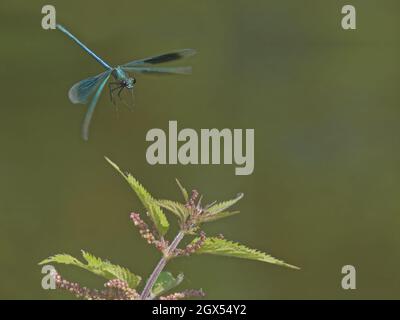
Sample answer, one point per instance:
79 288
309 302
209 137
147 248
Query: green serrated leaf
97 266
176 208
222 206
154 211
117 272
63 259
217 216
224 247
165 282
183 190
92 261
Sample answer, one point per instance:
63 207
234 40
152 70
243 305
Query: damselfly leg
114 86
130 104
112 89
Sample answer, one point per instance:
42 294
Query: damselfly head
129 83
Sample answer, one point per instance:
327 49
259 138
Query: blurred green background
323 103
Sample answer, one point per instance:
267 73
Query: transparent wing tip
85 134
73 97
189 52
183 70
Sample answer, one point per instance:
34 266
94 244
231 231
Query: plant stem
160 266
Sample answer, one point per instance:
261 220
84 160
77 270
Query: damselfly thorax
122 81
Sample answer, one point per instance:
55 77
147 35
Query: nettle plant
122 284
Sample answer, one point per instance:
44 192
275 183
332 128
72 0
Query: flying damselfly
91 88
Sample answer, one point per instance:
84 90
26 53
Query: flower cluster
146 234
198 213
143 228
192 247
122 289
192 200
115 290
183 295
